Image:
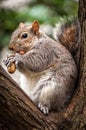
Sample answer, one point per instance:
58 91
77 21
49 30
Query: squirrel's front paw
43 108
10 63
9 60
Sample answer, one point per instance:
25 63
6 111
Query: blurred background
48 12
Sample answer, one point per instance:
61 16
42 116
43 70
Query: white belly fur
28 82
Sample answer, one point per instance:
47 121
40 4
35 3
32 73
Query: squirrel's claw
43 108
6 62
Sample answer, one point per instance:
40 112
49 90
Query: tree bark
17 111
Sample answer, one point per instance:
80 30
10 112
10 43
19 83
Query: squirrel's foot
43 108
9 59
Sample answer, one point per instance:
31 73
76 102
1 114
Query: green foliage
8 23
46 11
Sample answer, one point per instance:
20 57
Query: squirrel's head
24 37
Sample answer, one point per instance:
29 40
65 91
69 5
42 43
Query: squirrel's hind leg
43 95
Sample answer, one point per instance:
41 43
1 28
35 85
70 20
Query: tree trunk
17 111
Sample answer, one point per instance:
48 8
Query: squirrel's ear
21 25
35 27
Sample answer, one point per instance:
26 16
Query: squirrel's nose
11 47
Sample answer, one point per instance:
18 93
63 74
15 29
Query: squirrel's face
23 37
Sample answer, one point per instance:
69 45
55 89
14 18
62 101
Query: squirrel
48 70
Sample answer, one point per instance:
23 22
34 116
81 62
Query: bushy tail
67 32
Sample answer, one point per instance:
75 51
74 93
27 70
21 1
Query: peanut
12 68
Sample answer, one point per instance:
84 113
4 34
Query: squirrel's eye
24 35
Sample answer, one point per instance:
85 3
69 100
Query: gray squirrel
48 70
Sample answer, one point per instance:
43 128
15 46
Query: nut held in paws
12 68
